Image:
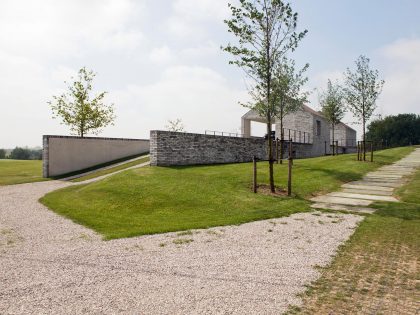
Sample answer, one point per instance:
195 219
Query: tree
399 130
2 153
332 104
78 110
362 89
288 97
20 154
266 31
175 125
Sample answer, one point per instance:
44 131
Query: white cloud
199 96
48 28
161 55
401 72
201 10
189 17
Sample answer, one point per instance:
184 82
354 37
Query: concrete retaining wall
176 148
66 154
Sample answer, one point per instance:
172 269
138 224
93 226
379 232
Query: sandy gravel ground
50 265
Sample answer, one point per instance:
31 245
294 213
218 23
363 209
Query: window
318 127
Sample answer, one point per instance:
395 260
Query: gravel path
48 264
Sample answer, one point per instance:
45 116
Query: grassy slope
161 199
20 171
111 170
376 271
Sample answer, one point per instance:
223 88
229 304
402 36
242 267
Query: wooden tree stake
254 181
289 179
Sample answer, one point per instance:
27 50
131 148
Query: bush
2 153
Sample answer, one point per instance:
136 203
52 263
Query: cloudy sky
161 59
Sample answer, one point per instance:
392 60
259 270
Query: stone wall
176 148
65 154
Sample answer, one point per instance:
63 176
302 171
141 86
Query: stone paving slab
342 200
384 175
352 185
384 179
363 196
336 207
377 183
367 192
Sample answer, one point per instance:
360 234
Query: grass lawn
111 170
377 270
20 171
161 199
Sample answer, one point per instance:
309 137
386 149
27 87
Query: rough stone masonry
179 148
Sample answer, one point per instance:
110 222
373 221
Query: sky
161 60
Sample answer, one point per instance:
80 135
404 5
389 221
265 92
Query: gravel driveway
48 264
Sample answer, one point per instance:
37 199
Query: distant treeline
21 154
394 131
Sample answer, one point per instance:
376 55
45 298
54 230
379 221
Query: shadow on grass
400 210
338 175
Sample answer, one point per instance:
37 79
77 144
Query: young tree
78 110
362 89
288 95
266 31
332 103
175 125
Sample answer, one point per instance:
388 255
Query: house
307 126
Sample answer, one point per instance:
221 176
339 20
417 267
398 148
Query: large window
318 127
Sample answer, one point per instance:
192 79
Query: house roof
314 112
251 114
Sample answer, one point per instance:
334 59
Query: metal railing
297 136
344 142
223 133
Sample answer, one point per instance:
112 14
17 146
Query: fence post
325 147
277 150
358 150
254 181
371 151
336 148
289 178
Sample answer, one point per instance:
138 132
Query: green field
376 271
161 199
19 171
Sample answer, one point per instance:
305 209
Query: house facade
307 126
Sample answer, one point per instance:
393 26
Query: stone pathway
378 185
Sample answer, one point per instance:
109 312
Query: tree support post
277 150
325 147
336 148
371 151
358 150
254 177
289 178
